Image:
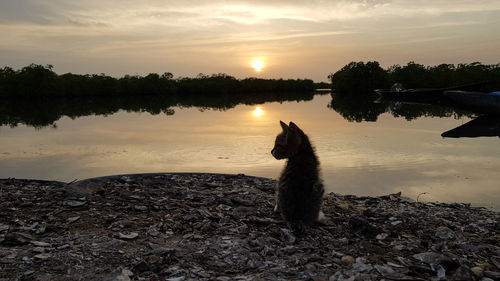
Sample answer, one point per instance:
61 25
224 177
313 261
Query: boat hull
484 126
412 95
423 95
479 102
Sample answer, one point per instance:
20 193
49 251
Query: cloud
25 11
100 29
203 13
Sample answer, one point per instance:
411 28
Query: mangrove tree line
360 77
40 80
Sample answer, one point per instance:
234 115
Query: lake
364 148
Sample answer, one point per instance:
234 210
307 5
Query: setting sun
258 65
258 111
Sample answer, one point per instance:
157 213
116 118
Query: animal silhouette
299 192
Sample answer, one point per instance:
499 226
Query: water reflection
43 112
40 113
258 111
196 134
368 107
357 108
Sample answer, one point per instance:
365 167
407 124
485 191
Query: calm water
363 158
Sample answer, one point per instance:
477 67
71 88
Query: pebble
492 274
436 261
75 204
468 247
40 243
176 279
478 271
128 236
337 254
396 222
62 247
268 251
38 249
117 276
73 219
445 233
42 256
153 232
127 272
347 260
473 228
4 227
140 208
496 261
361 265
16 238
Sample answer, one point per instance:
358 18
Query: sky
292 39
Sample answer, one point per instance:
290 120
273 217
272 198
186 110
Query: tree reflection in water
42 112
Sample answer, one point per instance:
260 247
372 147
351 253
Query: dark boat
488 103
421 95
484 126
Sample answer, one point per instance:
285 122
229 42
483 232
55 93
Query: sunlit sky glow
258 65
297 39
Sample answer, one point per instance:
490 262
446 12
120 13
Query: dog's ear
284 126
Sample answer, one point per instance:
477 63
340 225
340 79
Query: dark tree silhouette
358 77
37 80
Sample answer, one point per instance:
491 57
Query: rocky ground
221 227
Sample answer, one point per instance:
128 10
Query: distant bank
39 80
363 78
354 78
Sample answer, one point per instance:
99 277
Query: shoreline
198 226
89 182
